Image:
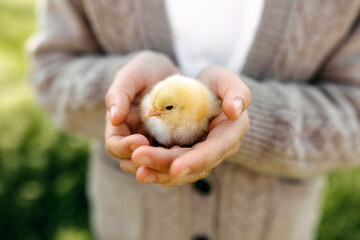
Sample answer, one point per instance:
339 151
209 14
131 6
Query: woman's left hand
176 166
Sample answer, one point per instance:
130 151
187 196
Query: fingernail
133 147
238 105
112 112
150 178
184 172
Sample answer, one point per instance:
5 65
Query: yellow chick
178 109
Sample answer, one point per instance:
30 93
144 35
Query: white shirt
209 32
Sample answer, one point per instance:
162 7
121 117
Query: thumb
228 86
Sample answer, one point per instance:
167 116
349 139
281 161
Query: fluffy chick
177 111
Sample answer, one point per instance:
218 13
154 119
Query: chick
177 111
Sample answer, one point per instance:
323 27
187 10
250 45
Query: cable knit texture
304 73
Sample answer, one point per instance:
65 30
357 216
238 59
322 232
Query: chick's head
178 100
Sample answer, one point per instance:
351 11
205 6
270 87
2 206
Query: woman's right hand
124 129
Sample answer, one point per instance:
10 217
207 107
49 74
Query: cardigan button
202 186
201 237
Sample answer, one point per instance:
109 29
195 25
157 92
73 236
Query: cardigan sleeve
70 74
301 130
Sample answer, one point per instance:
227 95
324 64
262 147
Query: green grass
43 170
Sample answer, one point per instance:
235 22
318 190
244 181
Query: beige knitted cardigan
304 73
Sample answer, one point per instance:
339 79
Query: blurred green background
43 170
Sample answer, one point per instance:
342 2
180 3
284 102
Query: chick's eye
169 107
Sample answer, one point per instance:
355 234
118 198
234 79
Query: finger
186 179
128 166
122 147
221 140
198 159
119 141
148 175
111 130
128 82
157 158
183 180
228 86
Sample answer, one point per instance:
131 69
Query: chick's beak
153 112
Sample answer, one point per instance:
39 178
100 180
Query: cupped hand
124 129
176 166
